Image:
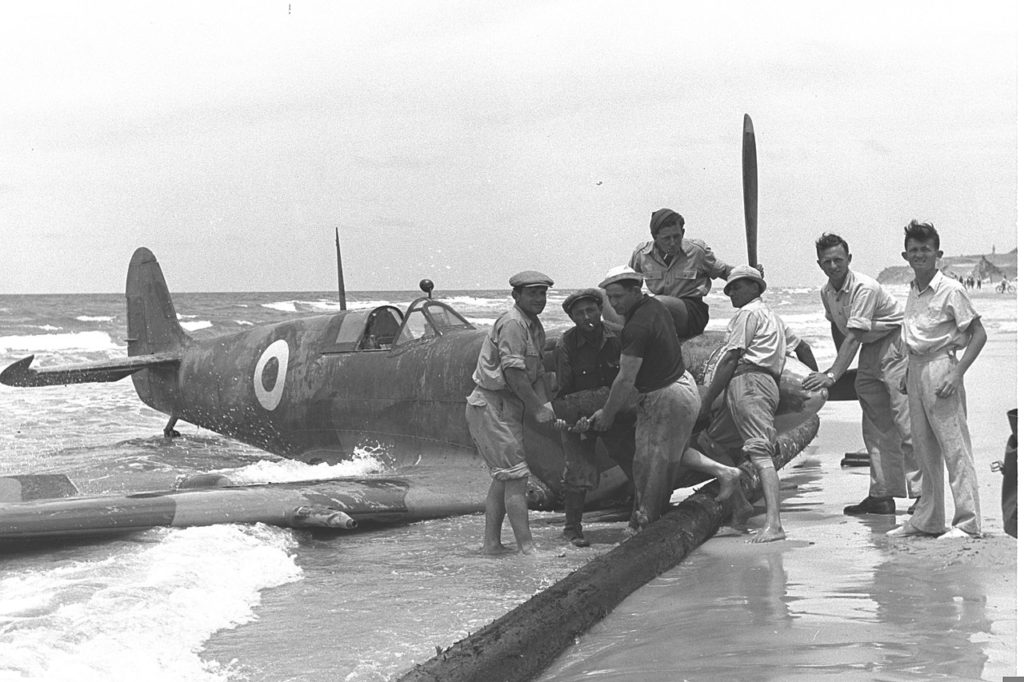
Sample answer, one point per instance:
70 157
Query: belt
748 368
946 352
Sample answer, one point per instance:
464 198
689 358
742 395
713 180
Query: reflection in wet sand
836 600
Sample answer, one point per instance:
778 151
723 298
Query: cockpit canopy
384 327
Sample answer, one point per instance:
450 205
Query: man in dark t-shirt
669 401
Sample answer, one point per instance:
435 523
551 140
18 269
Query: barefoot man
749 372
509 379
669 401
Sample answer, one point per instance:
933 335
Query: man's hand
950 384
817 380
600 421
581 426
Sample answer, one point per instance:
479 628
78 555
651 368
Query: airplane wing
20 374
46 507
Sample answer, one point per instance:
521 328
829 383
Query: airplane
315 389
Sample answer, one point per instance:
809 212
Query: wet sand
837 599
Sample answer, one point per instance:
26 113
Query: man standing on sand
870 319
753 358
939 321
509 380
586 364
683 268
667 407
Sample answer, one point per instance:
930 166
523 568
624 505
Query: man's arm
805 355
536 405
955 377
723 375
847 352
629 366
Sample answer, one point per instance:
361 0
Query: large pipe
525 641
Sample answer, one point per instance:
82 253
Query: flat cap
664 217
745 272
530 278
621 273
571 299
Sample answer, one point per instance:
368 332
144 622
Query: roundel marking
270 397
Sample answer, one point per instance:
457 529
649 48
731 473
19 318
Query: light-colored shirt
688 275
762 335
516 340
937 318
860 302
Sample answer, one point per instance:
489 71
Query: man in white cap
749 371
509 380
586 364
668 404
678 267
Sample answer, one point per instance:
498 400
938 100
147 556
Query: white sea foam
243 323
196 325
95 318
363 462
82 341
144 611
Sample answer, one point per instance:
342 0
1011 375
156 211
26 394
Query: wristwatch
831 375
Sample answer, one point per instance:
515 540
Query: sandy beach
837 598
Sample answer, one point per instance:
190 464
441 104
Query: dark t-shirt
650 334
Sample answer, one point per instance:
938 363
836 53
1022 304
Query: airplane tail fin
152 322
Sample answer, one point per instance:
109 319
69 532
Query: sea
254 602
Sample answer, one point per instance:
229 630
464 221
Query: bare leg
773 518
741 511
494 516
728 477
519 513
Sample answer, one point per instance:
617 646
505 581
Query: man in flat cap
586 363
749 371
509 380
668 404
680 268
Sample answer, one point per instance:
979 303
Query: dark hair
921 232
827 240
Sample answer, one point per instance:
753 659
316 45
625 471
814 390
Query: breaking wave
79 341
143 611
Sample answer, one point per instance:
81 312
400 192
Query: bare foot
496 550
727 484
768 535
528 548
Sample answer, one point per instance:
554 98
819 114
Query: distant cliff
989 267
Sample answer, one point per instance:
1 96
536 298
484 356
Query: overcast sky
465 141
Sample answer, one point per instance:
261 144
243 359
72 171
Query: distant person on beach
870 319
748 373
586 364
668 404
678 267
939 321
509 380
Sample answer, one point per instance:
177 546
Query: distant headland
987 268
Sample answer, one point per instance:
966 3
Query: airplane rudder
153 325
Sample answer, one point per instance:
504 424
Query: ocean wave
143 612
476 302
81 341
95 318
196 325
320 306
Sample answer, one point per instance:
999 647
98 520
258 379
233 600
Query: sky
466 141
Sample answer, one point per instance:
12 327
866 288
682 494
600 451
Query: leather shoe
871 505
